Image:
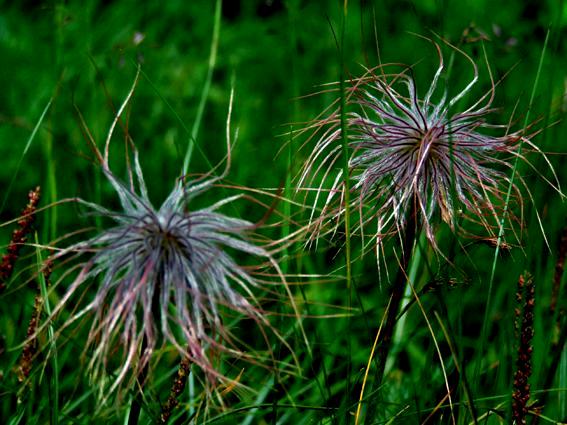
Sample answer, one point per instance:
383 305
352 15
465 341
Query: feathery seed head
164 278
154 258
414 154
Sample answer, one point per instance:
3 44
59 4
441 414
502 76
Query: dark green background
84 56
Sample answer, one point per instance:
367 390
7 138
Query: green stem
396 297
406 300
54 394
136 407
346 182
206 86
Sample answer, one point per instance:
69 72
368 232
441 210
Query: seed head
164 277
415 154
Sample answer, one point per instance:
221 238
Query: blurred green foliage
84 55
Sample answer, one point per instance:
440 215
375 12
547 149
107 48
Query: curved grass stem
54 394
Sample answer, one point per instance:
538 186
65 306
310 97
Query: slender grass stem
345 151
137 401
346 182
26 148
54 382
414 266
206 86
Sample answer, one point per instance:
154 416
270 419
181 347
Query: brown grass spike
30 348
524 325
19 237
176 390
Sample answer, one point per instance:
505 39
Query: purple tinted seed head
165 278
409 153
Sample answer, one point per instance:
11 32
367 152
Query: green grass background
83 56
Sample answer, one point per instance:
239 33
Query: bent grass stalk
206 86
194 131
459 368
26 148
367 371
437 349
54 381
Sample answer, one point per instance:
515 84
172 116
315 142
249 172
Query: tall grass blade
25 151
206 86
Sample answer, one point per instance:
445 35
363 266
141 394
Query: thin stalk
136 406
54 394
288 190
51 188
558 363
346 153
346 176
206 86
26 148
465 385
396 297
248 420
291 148
558 338
398 289
407 298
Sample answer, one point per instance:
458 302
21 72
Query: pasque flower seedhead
163 277
415 154
164 274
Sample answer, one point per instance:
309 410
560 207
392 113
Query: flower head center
167 237
430 136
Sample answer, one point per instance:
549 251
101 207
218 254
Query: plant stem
396 296
136 408
346 177
206 87
54 387
487 309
